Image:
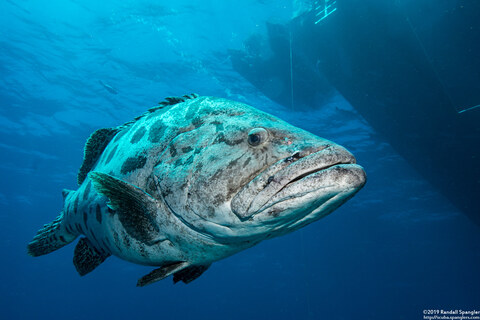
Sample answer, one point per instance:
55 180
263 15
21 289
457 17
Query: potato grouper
195 180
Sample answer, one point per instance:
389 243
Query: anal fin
86 257
189 274
161 273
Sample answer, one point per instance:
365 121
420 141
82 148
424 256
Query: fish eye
257 136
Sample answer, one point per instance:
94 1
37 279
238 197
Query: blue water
68 68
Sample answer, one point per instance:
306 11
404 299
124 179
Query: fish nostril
293 157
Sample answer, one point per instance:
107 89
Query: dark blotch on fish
138 135
75 205
179 162
87 190
233 163
210 211
173 151
187 149
197 122
189 160
218 126
119 135
166 192
115 238
151 187
133 163
143 252
106 243
221 139
93 236
218 200
186 129
112 153
126 240
98 213
156 131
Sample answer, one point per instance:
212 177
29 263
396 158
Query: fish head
246 174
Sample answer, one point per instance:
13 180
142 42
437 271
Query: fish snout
306 169
339 165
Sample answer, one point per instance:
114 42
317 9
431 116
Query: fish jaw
304 185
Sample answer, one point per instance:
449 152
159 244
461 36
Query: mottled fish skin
221 175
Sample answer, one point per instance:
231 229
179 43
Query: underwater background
67 68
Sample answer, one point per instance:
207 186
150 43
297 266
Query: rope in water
291 72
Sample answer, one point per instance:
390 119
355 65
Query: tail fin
50 238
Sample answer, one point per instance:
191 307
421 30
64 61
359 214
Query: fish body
108 87
194 181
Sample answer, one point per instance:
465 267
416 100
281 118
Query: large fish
193 181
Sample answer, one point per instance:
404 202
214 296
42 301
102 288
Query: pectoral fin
161 273
136 209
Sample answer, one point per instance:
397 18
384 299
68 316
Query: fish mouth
331 168
308 173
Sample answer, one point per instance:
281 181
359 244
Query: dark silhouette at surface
409 68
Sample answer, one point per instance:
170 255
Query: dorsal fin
94 147
169 101
174 100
